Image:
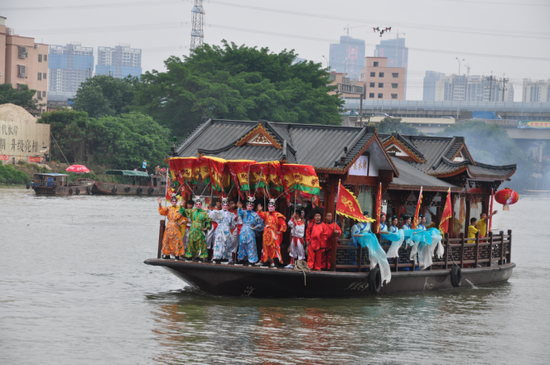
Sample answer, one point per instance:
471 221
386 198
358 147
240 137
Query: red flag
348 206
415 221
378 209
447 214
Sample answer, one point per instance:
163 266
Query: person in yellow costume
481 224
172 243
472 230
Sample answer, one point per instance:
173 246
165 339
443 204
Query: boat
407 172
140 183
459 267
58 184
537 191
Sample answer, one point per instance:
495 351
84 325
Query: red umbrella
77 168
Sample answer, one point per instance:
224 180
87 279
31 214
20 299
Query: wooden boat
537 191
140 183
410 174
58 184
462 265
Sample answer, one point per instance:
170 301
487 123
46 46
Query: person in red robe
316 238
333 230
275 225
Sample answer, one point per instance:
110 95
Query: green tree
115 142
231 82
490 143
22 96
104 95
123 142
390 125
73 133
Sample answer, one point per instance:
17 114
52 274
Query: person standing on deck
172 243
406 222
422 224
394 222
332 231
185 229
234 208
360 228
247 236
200 222
481 224
275 225
223 239
472 230
297 230
316 238
144 165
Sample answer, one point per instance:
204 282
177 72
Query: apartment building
23 61
381 81
119 61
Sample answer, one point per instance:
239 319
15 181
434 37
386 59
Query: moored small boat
139 183
58 184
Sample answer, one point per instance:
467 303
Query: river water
74 290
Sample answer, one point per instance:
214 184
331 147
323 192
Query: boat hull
253 281
105 188
63 190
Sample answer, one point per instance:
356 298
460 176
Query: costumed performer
297 230
172 243
481 224
422 222
275 225
316 238
234 208
247 236
360 228
222 236
185 231
200 222
333 230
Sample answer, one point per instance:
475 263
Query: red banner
447 214
4 157
240 173
348 206
35 159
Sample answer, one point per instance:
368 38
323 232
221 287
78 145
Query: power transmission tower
504 81
197 33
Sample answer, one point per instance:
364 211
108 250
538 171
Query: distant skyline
508 37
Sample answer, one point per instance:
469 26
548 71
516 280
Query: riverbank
21 173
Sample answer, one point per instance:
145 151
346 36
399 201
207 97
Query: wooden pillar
161 238
468 207
330 195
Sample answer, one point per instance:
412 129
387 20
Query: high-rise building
70 66
536 91
467 88
119 61
22 61
381 81
430 80
347 57
397 54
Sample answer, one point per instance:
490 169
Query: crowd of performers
227 233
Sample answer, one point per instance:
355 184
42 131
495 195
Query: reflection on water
74 290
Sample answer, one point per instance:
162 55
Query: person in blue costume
422 222
360 228
393 228
222 235
407 222
383 225
247 237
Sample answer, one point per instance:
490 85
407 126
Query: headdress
250 200
224 200
382 213
197 199
271 202
174 197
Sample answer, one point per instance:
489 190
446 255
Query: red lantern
507 197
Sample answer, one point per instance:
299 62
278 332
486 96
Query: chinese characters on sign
360 167
533 124
23 139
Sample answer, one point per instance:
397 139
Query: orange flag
447 214
415 220
348 206
378 209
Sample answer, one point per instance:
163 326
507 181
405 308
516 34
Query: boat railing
494 249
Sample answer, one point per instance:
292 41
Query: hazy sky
505 36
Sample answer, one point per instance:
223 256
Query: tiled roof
411 177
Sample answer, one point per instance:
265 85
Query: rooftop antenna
197 32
